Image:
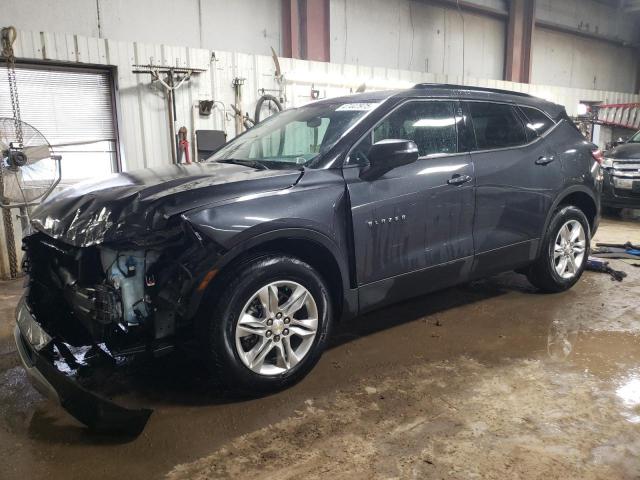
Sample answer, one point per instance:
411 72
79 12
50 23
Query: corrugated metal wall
142 108
417 36
142 111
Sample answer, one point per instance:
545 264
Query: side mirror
386 155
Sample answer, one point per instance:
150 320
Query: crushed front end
88 312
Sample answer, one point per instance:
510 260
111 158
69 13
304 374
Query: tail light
598 156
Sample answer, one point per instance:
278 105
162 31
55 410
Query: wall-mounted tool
245 120
183 146
171 79
237 104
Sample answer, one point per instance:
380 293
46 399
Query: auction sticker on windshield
356 107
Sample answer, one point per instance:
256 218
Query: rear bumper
94 411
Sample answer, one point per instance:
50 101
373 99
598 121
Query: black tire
541 273
218 317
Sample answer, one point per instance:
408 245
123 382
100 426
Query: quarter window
538 122
431 125
496 125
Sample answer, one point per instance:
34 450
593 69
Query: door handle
458 179
544 160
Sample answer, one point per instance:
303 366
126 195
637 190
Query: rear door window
496 125
537 122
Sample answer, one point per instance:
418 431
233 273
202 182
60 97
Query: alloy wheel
569 249
276 328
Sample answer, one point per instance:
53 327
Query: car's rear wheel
564 251
268 325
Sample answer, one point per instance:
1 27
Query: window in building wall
73 109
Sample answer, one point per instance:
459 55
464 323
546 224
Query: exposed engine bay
130 298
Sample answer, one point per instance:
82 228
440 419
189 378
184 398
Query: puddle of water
629 393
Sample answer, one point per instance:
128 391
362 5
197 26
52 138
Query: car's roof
435 90
375 96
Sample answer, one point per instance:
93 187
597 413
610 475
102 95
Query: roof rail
447 86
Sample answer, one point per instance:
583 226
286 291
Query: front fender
208 274
292 233
314 210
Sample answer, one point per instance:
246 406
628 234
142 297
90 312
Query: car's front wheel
564 251
268 326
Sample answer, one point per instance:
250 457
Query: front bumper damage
54 374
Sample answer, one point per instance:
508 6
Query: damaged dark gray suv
317 214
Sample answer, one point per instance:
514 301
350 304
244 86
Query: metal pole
172 119
24 217
237 87
175 118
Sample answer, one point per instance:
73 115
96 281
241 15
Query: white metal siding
143 117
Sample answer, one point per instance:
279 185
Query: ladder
626 115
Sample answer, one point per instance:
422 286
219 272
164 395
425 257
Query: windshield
294 137
635 138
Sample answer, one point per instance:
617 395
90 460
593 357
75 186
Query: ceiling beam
305 25
520 40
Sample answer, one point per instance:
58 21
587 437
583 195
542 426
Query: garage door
73 109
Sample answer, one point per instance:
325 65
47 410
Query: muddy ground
489 380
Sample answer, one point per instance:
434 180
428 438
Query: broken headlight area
128 297
102 307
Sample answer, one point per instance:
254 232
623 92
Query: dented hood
126 205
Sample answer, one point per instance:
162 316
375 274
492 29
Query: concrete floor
490 380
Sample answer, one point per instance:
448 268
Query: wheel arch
580 197
585 202
310 246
